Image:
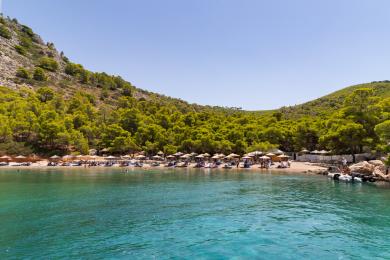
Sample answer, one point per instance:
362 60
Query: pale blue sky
253 54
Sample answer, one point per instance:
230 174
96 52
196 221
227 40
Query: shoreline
296 167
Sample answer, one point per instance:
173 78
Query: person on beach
344 164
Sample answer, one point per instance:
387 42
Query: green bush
66 59
48 64
21 50
127 90
73 69
27 30
4 32
39 74
45 94
85 76
23 73
25 42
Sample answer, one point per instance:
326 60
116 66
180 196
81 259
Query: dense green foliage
71 109
46 122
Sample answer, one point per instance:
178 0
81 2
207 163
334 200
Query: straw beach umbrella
283 157
54 158
5 158
67 157
21 158
140 157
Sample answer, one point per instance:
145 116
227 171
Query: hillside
51 105
328 104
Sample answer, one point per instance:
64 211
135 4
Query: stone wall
315 158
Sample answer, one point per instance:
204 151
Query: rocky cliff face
22 49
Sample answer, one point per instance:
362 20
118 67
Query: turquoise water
106 213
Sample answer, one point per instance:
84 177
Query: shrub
85 76
104 94
21 50
127 90
39 74
48 64
66 59
23 73
50 45
73 69
27 30
45 94
4 32
25 42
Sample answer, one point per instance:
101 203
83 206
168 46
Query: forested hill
50 105
328 104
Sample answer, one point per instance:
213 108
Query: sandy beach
295 167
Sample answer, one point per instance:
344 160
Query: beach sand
295 167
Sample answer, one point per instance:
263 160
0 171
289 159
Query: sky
254 54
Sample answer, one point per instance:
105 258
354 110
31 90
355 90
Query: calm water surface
106 213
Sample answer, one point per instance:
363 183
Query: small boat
334 175
155 164
346 178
